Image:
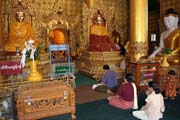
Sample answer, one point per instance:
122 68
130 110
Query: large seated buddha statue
170 38
19 32
101 50
99 38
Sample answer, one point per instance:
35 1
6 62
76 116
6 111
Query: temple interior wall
78 16
75 12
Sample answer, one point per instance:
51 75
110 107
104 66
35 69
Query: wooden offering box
41 100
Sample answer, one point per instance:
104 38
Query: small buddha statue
19 33
99 25
170 38
57 36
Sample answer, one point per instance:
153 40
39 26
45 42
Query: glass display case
143 73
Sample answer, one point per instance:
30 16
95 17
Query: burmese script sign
10 67
42 104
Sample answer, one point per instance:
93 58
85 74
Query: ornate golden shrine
43 11
57 24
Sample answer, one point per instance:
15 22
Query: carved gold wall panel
40 12
78 15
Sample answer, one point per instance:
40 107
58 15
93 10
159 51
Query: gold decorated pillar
138 29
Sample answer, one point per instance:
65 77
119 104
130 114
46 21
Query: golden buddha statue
99 38
19 33
57 36
170 38
98 27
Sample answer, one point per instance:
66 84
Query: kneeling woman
154 107
125 95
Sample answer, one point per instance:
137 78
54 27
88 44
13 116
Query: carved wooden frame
41 100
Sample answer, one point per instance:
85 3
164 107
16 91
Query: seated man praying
108 83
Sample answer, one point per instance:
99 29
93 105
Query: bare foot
109 91
109 98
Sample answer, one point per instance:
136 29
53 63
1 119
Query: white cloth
140 114
135 96
32 53
31 41
28 46
23 58
96 85
5 105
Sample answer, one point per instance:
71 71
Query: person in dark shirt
125 95
122 50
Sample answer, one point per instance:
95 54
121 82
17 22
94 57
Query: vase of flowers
30 54
166 52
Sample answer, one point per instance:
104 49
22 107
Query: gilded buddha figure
57 36
99 38
170 38
19 33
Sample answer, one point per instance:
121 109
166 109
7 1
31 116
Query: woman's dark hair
129 77
172 72
106 67
154 86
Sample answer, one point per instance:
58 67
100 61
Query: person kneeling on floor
126 97
108 83
154 107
